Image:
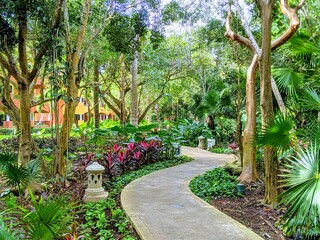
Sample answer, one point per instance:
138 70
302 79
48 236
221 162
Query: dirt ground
251 212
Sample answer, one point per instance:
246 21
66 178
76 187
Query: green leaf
277 134
287 80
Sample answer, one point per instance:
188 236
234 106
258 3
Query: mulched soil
251 212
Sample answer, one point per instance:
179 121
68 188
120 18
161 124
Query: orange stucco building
44 116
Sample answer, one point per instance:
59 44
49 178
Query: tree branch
142 116
292 14
116 111
236 37
43 50
247 29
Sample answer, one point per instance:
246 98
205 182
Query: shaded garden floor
251 212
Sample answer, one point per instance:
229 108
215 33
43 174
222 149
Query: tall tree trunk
238 134
63 137
74 77
249 170
134 114
96 95
266 101
123 112
25 124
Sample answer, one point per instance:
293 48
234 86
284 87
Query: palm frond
288 81
302 46
6 158
6 233
302 178
276 134
50 219
311 99
33 169
16 175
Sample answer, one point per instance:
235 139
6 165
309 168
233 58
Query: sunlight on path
161 206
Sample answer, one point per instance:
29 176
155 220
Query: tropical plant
302 196
277 134
6 158
7 233
49 218
215 183
16 176
21 176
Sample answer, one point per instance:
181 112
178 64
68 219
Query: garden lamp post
95 192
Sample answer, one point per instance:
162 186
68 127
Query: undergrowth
105 219
215 183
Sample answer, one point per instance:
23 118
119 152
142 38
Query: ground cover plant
106 218
215 184
103 220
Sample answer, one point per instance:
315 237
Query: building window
81 99
8 118
103 117
31 116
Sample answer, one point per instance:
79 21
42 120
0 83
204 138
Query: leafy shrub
7 131
215 183
302 180
120 159
48 219
122 133
187 132
19 176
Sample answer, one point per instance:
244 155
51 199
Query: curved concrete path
161 206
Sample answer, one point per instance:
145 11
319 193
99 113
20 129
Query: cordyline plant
119 159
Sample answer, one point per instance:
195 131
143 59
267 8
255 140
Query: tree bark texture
238 135
73 80
266 103
249 170
134 108
25 125
123 112
96 95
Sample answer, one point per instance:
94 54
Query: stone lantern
201 142
95 192
177 149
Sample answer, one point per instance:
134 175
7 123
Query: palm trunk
249 170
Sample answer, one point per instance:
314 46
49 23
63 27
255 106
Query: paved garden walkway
161 206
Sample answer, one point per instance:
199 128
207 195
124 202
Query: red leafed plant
119 159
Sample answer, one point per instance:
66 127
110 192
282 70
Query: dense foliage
215 183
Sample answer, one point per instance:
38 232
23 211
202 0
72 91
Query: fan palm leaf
302 46
277 134
311 99
50 218
16 175
6 158
288 81
302 179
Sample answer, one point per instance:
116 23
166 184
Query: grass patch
215 183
